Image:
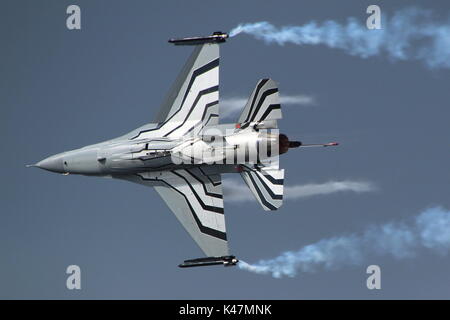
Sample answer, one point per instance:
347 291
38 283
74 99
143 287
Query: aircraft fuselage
219 145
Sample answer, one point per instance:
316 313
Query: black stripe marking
258 158
261 101
205 68
200 201
206 230
144 159
208 105
269 110
272 179
261 196
199 95
215 195
258 88
268 189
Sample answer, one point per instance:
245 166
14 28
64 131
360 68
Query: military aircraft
184 151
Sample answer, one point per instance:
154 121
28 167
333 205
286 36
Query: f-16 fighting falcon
184 151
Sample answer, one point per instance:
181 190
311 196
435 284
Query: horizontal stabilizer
266 185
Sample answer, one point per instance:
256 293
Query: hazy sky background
62 89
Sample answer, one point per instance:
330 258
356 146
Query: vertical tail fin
263 104
266 185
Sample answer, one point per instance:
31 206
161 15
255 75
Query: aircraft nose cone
53 163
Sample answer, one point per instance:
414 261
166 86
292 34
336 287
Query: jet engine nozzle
285 144
294 144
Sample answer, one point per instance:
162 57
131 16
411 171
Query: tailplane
266 185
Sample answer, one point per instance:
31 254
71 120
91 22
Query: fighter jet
184 151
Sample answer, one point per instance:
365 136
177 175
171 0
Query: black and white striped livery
184 151
196 200
266 185
193 101
263 104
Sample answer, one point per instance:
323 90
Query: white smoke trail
233 105
238 192
314 189
429 230
410 34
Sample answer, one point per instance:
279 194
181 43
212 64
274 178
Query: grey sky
62 89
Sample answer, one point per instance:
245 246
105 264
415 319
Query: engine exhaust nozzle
285 144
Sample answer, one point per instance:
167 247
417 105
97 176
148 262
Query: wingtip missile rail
215 37
226 261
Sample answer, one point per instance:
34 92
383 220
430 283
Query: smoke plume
400 240
409 34
238 192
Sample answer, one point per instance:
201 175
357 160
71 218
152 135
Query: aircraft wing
196 200
193 100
